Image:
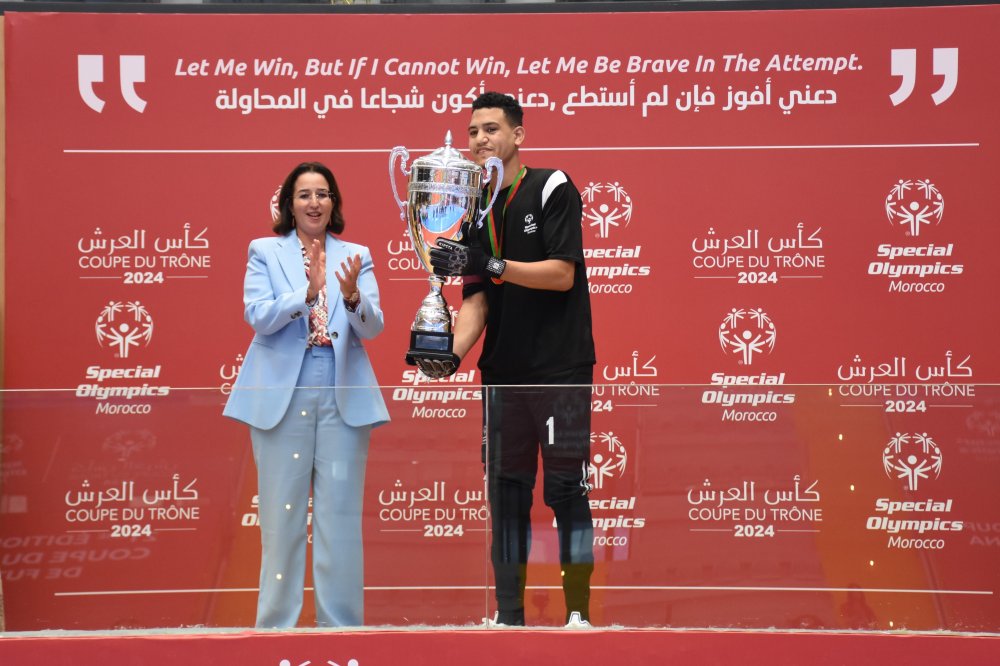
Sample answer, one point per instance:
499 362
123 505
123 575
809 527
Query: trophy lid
446 157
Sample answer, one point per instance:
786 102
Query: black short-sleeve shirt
532 334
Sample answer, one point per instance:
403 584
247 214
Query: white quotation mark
132 70
904 65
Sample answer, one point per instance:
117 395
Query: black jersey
532 334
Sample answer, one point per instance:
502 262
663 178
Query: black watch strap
495 266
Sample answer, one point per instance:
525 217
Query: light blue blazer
274 304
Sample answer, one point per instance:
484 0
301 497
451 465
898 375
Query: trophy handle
492 164
397 152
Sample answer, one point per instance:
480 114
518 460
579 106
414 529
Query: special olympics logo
609 462
747 332
11 443
914 203
122 326
275 210
985 420
606 205
911 457
125 443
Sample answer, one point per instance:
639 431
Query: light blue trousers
311 446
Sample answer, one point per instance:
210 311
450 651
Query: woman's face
312 204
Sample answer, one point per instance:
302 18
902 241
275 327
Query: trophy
443 194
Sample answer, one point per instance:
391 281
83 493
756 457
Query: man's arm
470 324
451 258
550 274
561 237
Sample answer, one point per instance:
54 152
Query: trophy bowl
443 193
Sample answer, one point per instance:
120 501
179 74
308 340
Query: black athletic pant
520 421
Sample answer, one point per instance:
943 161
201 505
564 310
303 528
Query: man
525 286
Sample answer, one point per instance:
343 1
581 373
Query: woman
310 397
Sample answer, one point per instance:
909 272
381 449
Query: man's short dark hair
512 110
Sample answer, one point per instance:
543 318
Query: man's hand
451 258
436 368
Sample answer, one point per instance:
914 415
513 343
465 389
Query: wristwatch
352 303
495 266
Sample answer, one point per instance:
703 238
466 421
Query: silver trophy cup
443 193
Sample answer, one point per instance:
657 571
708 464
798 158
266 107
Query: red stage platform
497 647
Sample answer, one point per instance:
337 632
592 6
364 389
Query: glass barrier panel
864 507
135 512
851 507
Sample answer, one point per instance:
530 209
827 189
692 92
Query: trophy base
432 345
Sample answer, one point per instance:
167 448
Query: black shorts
520 421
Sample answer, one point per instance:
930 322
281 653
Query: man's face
490 135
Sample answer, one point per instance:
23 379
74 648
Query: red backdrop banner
794 423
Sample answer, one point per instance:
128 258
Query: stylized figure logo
985 420
610 462
914 203
287 662
747 332
131 70
123 326
124 443
911 457
275 211
11 443
606 205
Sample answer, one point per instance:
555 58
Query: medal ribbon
496 243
